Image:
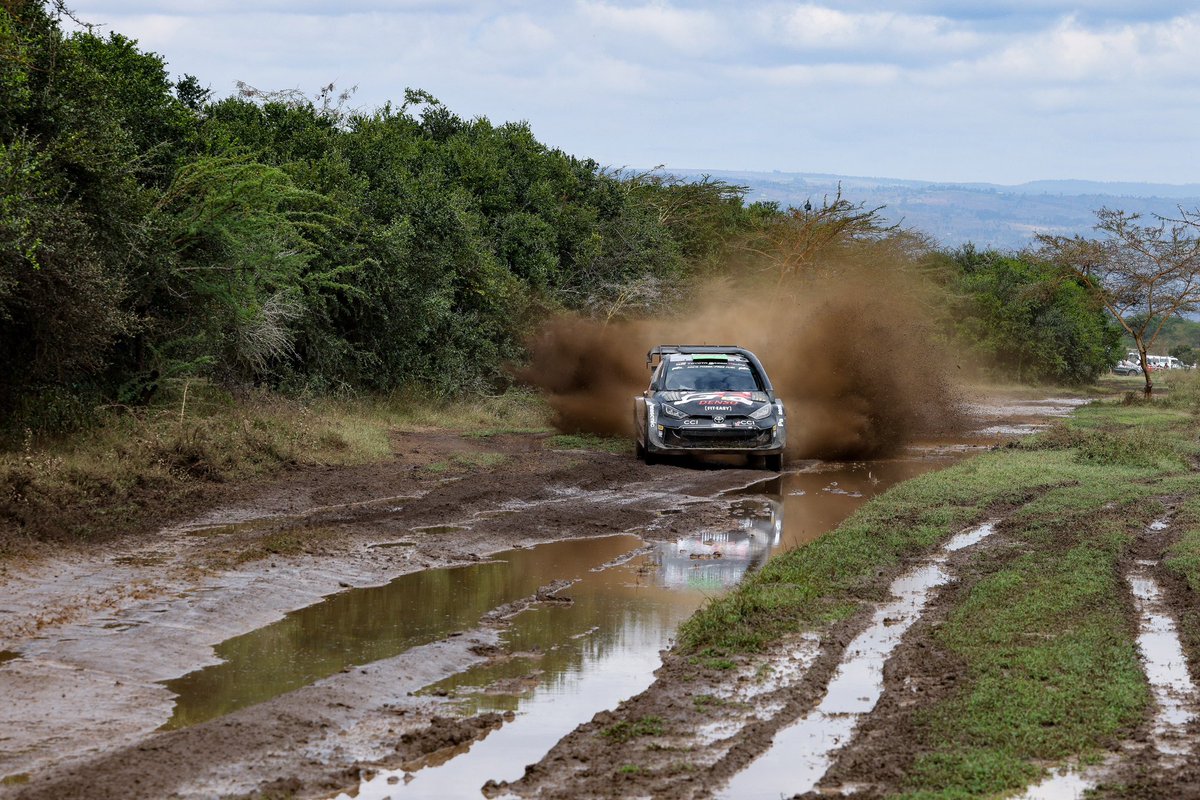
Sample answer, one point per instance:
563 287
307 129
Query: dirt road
205 661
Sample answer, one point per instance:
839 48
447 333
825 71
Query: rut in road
1156 763
802 753
827 681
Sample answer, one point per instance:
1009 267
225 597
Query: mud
1159 760
100 640
99 634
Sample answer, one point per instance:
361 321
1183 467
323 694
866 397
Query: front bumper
677 437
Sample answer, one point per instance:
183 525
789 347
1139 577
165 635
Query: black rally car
708 399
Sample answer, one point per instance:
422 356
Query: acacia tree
1143 274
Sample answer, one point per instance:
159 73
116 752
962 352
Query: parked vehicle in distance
708 399
1154 362
1127 368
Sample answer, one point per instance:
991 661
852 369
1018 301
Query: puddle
802 753
815 500
359 626
1065 785
1164 663
570 661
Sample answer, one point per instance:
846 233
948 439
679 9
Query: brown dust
855 365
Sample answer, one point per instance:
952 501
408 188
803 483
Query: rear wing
655 355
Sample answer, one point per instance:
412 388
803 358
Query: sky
1003 92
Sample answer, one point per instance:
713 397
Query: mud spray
854 361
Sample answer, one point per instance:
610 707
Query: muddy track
98 637
714 723
717 722
87 725
1141 770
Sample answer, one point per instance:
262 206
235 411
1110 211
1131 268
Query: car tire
773 462
639 450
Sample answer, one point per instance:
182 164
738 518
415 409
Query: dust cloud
854 361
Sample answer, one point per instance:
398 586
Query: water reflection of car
709 399
719 559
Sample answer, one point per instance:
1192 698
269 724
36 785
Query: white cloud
824 74
680 29
821 28
909 88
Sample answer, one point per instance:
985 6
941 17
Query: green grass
624 731
590 441
1042 626
1183 558
827 579
1052 670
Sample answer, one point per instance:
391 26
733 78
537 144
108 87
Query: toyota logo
718 419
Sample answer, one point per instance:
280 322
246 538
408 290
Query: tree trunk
1149 390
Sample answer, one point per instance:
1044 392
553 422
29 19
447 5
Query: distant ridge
989 215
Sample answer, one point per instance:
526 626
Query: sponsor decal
717 408
719 398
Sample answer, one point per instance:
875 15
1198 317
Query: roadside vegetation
1040 625
137 466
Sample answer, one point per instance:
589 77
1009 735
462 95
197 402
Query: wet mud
1159 760
418 630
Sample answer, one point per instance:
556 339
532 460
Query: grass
827 579
468 461
121 473
589 441
1042 627
625 731
1052 669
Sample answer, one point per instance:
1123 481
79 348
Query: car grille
716 437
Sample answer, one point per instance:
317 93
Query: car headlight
763 412
672 411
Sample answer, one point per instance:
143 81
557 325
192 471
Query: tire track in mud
1146 766
1160 760
802 753
808 683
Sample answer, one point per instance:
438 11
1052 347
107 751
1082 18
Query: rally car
708 399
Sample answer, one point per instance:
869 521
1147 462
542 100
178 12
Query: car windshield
702 376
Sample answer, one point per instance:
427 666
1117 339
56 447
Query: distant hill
989 215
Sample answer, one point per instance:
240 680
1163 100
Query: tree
1184 353
1143 274
1030 319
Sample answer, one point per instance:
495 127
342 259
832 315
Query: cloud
680 29
821 28
1071 52
1003 92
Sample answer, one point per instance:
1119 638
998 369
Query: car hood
697 403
